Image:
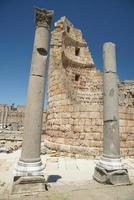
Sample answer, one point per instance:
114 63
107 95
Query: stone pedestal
30 162
29 184
110 168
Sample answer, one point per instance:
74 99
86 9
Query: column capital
43 17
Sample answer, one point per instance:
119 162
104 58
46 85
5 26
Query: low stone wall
10 141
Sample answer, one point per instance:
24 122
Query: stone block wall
75 98
73 123
12 118
126 114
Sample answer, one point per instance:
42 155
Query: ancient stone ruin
110 169
75 98
12 127
73 122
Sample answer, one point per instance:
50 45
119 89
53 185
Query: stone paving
69 178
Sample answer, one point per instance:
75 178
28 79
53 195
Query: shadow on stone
53 178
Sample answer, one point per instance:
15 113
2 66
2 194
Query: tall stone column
30 162
5 116
110 168
2 117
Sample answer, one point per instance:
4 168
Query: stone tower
74 92
75 98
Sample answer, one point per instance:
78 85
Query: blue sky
99 20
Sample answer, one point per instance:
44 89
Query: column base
111 163
24 169
29 177
111 171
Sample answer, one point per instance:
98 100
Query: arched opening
77 76
68 29
77 51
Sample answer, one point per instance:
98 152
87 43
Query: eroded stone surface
75 98
74 119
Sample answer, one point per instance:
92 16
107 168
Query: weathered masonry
12 117
73 122
75 98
